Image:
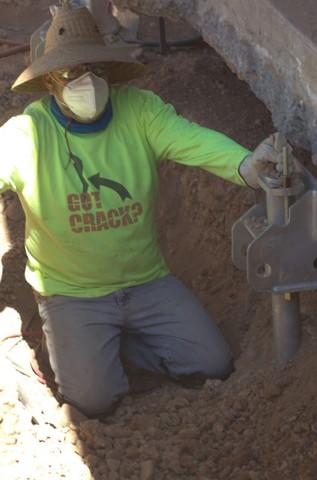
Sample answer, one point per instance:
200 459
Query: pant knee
93 409
213 363
219 366
95 401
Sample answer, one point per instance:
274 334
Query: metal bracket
280 257
284 258
275 242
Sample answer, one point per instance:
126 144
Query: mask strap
77 163
61 84
70 153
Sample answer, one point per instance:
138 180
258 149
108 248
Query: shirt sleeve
172 137
17 147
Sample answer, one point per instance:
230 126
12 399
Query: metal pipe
163 43
286 325
182 42
4 41
14 50
286 182
275 209
285 307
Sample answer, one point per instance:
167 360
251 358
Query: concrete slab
302 14
271 44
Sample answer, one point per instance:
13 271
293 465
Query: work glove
266 158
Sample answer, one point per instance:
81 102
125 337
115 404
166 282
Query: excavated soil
260 424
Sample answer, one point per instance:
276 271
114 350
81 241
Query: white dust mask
86 96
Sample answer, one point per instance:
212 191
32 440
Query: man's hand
266 158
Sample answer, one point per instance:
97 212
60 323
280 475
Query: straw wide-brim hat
73 38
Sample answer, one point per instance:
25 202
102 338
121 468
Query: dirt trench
261 424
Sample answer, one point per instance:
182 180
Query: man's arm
16 145
173 137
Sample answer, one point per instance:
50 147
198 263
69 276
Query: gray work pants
159 326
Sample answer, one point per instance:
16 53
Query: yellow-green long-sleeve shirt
90 226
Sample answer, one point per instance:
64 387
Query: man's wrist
248 172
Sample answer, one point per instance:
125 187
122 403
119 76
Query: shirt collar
77 127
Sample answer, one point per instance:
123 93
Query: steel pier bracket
277 247
283 258
279 257
243 236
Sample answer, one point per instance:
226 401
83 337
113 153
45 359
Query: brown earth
261 424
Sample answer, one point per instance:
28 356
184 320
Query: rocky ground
261 424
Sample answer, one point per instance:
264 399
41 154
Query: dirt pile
255 426
261 424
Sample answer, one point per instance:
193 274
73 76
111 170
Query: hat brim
120 65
